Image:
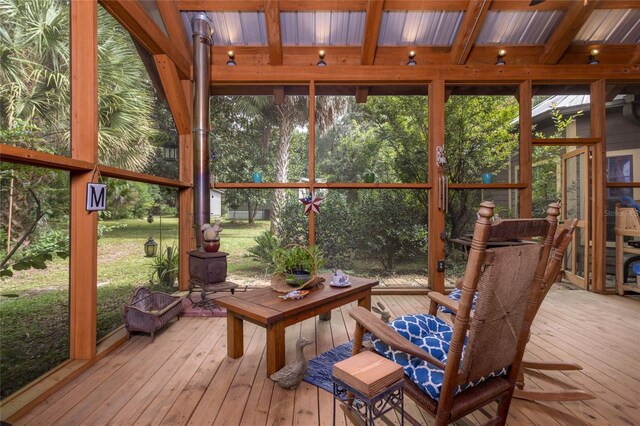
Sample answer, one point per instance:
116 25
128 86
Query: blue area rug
320 367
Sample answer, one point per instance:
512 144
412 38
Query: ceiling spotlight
593 57
412 55
232 58
500 58
321 62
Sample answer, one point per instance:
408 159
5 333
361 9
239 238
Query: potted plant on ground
165 266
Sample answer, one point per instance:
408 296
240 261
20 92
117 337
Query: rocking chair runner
443 381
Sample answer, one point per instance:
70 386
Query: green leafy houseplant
165 266
297 262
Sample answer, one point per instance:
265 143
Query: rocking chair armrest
388 336
441 299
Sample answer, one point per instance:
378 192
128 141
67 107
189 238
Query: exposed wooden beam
258 5
278 95
598 186
468 31
272 16
139 24
114 172
382 74
173 91
526 173
371 31
635 58
370 41
576 16
173 22
436 216
362 93
186 228
83 239
19 155
524 5
612 91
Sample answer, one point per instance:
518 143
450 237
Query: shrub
267 245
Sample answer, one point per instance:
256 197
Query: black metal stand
369 408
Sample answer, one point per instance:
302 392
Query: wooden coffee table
263 307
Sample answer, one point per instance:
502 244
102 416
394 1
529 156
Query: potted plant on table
296 265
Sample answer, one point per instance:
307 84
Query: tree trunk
286 116
252 209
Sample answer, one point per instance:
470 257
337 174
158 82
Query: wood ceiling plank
468 31
173 91
132 16
274 36
576 16
173 22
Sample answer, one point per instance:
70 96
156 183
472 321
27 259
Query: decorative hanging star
311 203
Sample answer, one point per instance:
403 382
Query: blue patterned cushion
455 295
433 335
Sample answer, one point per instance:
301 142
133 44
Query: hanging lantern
170 151
150 247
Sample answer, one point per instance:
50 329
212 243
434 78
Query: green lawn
35 335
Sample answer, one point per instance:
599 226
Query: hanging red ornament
311 203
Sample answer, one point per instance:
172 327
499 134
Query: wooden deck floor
186 378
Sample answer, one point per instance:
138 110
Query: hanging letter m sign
96 196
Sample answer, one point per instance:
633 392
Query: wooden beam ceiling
468 31
135 19
173 91
576 16
382 74
370 41
173 22
272 15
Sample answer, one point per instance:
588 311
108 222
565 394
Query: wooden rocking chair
561 241
438 377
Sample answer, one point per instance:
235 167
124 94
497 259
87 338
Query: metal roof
427 28
322 28
607 26
519 27
151 7
239 28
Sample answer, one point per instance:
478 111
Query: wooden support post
312 157
598 186
526 150
436 215
83 240
186 236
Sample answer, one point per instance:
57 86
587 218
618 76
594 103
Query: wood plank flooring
184 377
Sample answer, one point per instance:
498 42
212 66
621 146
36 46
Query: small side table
370 384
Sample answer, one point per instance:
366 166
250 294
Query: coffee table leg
235 342
365 302
275 347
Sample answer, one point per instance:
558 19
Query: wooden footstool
370 385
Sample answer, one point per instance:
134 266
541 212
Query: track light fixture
232 58
593 57
412 55
321 62
500 58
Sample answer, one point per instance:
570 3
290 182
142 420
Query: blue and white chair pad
432 335
455 295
